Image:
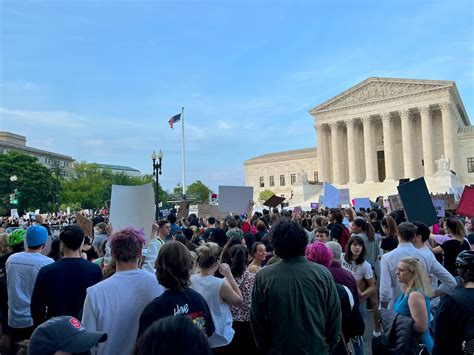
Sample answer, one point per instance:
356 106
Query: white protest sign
235 199
68 211
37 211
132 206
14 213
439 207
193 209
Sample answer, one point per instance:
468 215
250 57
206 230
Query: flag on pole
174 119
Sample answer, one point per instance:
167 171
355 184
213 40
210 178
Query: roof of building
116 167
289 154
36 151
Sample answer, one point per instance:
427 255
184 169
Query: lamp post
157 172
14 195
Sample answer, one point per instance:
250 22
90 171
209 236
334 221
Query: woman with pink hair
319 253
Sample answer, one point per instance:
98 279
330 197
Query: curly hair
288 239
173 266
126 244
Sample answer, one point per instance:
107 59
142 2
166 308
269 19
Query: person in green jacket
295 306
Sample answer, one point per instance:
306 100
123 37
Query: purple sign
314 205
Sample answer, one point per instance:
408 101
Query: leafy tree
91 186
265 195
198 192
34 182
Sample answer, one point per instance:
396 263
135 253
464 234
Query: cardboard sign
331 196
449 201
183 210
361 202
466 204
314 205
235 199
274 201
344 198
439 207
417 202
133 206
204 210
85 224
395 203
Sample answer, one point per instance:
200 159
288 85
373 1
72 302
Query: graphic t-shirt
359 271
173 303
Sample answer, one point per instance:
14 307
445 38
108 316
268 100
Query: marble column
388 146
427 140
369 150
407 144
449 135
320 152
336 171
351 151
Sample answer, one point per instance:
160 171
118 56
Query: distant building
15 142
117 169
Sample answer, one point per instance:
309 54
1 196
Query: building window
292 179
282 180
470 165
316 177
272 181
262 183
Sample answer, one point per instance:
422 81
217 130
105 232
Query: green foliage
91 187
265 195
34 182
198 192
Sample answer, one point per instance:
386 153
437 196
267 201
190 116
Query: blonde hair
207 255
351 214
419 281
3 243
319 221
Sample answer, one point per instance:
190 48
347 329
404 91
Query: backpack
467 305
344 236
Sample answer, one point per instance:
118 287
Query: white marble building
385 129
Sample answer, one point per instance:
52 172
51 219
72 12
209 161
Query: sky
98 80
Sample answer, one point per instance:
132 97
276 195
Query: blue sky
98 80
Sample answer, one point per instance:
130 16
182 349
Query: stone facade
280 172
386 129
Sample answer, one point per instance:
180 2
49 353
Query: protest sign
344 198
235 199
297 210
321 200
439 207
193 209
85 224
466 204
215 211
204 210
314 205
14 213
449 202
165 212
132 206
68 211
183 210
37 211
274 201
417 202
361 202
395 203
331 196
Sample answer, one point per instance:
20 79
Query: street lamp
157 172
14 195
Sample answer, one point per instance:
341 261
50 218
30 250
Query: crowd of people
274 282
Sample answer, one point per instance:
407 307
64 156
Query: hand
224 269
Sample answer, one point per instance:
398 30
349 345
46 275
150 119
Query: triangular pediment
374 89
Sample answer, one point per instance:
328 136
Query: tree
34 182
198 192
265 195
91 186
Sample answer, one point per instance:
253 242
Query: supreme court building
375 133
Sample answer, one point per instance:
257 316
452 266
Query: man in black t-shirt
60 288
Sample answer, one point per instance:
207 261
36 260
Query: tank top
209 287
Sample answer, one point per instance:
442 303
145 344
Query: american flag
174 119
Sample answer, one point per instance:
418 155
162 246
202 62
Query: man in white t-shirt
115 304
22 269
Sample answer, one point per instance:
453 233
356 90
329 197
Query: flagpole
183 164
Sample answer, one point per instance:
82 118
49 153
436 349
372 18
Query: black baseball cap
63 333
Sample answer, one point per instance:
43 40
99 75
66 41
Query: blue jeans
358 342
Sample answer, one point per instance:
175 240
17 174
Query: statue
443 164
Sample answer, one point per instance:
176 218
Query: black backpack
468 306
